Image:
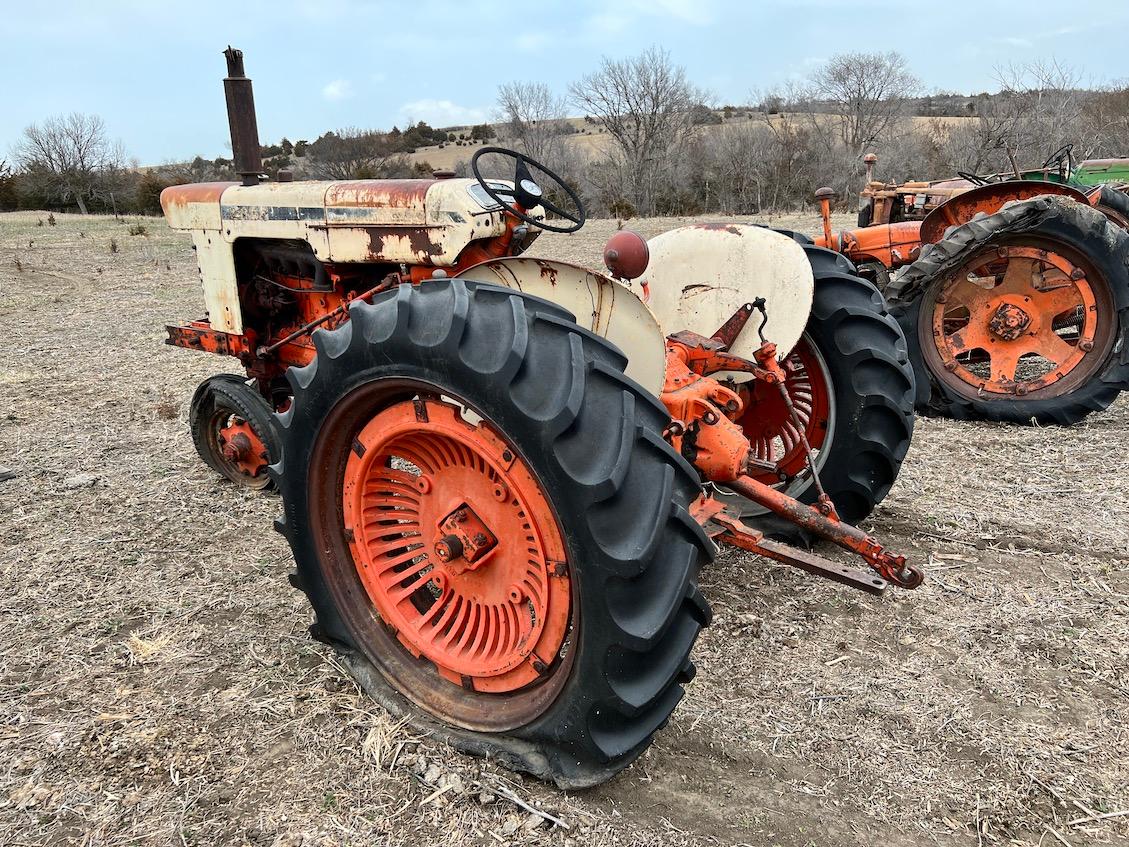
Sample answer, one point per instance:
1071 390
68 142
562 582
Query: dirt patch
157 685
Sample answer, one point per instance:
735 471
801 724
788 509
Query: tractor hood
411 221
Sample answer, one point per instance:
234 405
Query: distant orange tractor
1013 295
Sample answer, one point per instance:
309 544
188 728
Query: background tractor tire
1114 205
1046 221
865 360
620 494
226 395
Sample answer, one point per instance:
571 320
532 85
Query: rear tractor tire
233 430
1021 316
490 527
851 383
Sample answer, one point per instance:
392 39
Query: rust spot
382 193
732 229
548 272
419 240
196 192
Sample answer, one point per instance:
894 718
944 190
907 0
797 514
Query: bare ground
157 685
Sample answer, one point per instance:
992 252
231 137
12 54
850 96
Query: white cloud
339 89
442 112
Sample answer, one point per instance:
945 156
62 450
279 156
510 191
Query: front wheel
233 430
489 525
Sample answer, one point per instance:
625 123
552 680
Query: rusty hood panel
412 221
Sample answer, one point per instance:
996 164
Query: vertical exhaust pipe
241 119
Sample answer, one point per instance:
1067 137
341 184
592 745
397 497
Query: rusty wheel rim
378 516
773 435
1018 320
238 448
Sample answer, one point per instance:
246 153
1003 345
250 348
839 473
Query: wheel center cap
1009 322
464 540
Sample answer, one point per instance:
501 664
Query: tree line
651 142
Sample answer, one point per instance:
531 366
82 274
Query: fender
700 275
610 309
988 199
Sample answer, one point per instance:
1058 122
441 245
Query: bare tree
70 159
534 117
356 154
1040 107
1106 121
867 91
645 104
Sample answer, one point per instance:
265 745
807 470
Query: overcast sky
152 70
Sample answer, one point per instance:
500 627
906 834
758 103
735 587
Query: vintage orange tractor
501 475
1013 295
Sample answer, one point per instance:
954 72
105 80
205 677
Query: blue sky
152 70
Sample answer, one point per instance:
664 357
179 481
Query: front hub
240 446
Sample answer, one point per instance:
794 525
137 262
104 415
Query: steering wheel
527 193
974 178
1066 151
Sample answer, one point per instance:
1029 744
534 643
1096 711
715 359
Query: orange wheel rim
456 546
773 435
240 446
1014 320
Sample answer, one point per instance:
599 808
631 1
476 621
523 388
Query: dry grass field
158 686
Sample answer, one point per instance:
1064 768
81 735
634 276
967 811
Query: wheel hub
466 540
456 546
241 446
1009 321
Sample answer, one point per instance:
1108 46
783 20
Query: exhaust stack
241 119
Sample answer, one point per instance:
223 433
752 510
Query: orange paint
457 546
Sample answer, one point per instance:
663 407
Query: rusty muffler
245 150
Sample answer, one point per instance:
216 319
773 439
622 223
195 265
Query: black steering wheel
527 192
975 179
1066 151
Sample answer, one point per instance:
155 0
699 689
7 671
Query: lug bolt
1086 346
942 298
950 366
1021 390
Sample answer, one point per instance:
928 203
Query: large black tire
229 394
871 384
621 495
1047 220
